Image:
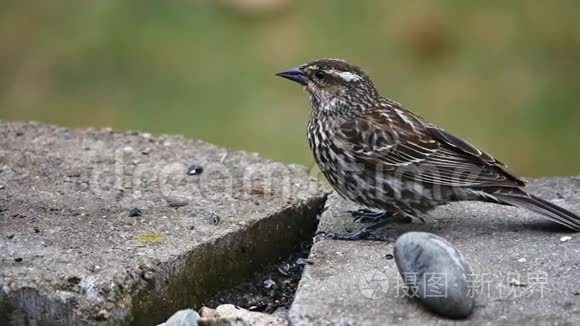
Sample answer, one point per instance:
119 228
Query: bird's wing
397 139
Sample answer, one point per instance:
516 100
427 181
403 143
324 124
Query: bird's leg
362 234
364 215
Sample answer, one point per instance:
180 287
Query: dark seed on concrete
134 212
389 256
18 259
195 169
213 219
36 230
10 236
436 272
177 204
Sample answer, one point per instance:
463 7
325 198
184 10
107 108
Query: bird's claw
364 215
361 234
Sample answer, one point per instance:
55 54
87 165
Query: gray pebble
435 272
186 317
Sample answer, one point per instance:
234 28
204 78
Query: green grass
504 76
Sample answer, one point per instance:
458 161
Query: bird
392 162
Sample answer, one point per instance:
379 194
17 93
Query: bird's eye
319 75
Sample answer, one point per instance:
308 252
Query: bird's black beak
294 74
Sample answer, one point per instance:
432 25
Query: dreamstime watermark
374 285
126 175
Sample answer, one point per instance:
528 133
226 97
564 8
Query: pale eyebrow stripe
346 75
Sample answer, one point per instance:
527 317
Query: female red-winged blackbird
382 156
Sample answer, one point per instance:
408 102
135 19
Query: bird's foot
364 215
362 234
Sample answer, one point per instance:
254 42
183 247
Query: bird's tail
540 206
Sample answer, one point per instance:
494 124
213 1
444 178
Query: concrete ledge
71 254
527 269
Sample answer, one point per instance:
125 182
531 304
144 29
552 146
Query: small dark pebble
213 219
389 256
134 212
576 293
36 230
18 259
195 169
10 236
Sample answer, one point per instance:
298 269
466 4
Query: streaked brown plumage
382 156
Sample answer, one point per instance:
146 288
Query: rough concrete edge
136 132
226 262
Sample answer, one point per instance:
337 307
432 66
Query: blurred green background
503 74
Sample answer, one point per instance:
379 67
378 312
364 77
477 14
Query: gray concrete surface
70 253
524 274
